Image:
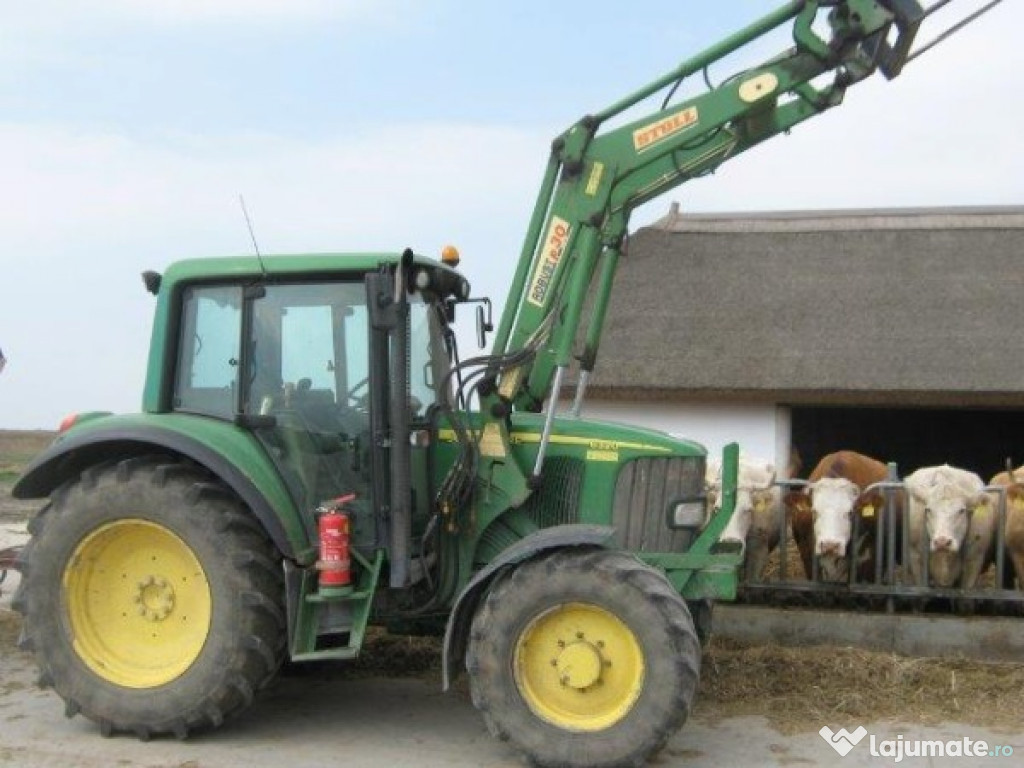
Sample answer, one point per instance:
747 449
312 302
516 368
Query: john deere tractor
312 456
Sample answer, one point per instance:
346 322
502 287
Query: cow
952 522
754 526
1014 530
821 515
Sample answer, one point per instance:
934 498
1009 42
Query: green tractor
313 457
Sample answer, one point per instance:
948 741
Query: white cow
954 521
754 525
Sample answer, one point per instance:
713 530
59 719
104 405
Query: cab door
307 373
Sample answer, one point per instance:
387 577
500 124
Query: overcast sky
128 129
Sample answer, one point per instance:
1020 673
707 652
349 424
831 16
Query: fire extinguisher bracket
334 592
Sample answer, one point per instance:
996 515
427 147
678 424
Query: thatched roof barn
886 310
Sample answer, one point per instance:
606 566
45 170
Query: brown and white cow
1014 534
953 521
754 525
822 514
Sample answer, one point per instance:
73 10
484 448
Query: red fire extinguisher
335 565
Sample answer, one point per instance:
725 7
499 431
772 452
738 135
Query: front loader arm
595 179
599 172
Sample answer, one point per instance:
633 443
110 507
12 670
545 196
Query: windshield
309 367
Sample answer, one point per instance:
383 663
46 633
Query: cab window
209 351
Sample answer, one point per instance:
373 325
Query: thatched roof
897 307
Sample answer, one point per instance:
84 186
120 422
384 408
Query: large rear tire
152 599
585 659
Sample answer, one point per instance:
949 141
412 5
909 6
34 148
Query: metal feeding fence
889 582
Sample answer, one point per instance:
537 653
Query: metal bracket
909 17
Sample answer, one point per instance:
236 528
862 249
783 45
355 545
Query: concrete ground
394 723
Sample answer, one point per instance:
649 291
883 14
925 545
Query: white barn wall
761 429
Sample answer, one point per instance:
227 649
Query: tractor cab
297 352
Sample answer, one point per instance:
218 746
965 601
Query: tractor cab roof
304 266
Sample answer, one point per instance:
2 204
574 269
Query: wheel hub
155 598
579 665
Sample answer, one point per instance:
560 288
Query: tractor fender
544 540
72 453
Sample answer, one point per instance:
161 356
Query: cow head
749 502
947 515
829 502
832 501
947 519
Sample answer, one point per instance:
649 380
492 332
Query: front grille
557 501
642 495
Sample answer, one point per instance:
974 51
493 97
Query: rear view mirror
484 324
482 327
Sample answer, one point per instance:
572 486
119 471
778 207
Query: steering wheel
358 401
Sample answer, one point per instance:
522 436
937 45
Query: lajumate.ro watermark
843 742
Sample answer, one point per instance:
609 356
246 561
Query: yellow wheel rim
579 667
138 603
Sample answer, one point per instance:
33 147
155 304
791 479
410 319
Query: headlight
687 513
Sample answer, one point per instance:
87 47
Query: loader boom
595 179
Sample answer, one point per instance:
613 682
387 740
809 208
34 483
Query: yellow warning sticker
595 179
550 257
652 133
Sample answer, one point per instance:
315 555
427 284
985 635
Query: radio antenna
252 234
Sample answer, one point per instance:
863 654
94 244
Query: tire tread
502 710
247 556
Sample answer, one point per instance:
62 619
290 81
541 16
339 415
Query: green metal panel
479 533
604 448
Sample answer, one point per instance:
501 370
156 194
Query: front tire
584 658
152 599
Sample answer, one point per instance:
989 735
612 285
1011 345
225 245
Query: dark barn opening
975 439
